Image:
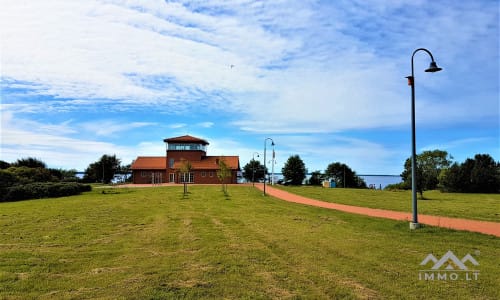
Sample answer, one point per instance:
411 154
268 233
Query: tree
69 175
102 170
294 170
429 167
478 175
185 169
29 175
4 165
223 173
344 176
316 178
254 169
450 180
30 162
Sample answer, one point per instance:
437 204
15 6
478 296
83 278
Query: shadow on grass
113 191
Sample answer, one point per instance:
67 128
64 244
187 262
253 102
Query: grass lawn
153 243
485 207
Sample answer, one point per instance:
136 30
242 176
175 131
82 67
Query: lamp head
272 143
433 67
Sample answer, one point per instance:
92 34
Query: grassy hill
153 243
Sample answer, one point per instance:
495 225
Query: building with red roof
181 151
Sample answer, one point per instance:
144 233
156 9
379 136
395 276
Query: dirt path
491 228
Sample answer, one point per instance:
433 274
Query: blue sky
323 79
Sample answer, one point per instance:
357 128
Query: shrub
396 186
43 190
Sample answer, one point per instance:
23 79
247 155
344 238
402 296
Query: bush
42 190
396 186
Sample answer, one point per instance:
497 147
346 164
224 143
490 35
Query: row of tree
29 178
294 172
436 170
28 170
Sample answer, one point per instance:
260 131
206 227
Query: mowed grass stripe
154 243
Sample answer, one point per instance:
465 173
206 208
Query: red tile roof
186 139
206 163
149 163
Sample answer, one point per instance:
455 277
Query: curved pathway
485 227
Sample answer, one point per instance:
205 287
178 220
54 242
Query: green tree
451 179
102 170
223 173
478 175
4 165
294 170
7 179
316 178
344 176
485 175
69 175
29 175
254 169
429 166
30 162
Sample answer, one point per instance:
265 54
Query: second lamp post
265 169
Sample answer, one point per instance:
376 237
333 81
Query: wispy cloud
287 68
111 127
177 125
206 124
325 66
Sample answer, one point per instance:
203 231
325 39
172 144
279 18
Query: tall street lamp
272 144
272 168
253 167
411 81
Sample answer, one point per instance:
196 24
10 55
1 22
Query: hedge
40 190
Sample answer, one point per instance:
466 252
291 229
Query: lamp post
253 167
272 168
272 144
411 81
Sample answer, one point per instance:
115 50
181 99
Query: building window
203 174
171 163
211 174
145 174
187 177
186 147
172 177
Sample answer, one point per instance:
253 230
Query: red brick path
491 228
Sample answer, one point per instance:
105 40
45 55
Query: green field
153 243
485 207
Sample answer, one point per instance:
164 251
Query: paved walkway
491 228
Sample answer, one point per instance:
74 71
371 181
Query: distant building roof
186 139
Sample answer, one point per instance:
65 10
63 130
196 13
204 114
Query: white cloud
331 71
112 127
206 124
177 125
60 145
